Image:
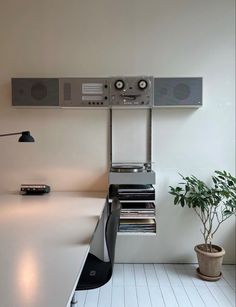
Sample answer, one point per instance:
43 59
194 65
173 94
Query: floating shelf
136 233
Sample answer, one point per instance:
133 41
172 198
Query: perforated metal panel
35 92
178 92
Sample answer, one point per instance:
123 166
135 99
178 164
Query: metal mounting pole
110 137
149 137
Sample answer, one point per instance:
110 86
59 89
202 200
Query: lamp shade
26 137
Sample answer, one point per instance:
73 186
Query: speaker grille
181 91
39 91
178 92
35 92
67 91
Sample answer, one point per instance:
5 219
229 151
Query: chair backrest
112 226
113 190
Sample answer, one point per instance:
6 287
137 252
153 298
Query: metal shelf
136 233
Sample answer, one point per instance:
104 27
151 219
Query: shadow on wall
83 181
5 95
58 179
100 183
229 243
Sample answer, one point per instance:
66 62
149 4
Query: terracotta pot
209 263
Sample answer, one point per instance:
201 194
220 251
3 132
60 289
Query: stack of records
137 207
137 210
132 192
140 225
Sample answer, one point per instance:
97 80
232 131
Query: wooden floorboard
161 285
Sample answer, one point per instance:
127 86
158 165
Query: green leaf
182 202
176 200
187 188
214 179
227 212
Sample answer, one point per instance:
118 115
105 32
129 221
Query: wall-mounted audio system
173 92
113 92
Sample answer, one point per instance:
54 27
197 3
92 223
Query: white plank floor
161 285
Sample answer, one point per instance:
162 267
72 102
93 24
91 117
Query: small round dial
142 84
119 84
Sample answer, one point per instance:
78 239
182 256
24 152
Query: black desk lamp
25 136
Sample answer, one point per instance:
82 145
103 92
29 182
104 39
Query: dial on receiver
142 84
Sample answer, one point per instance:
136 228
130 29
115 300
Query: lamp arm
15 133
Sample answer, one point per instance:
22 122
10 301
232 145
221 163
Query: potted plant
213 204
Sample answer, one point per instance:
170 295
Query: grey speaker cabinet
35 92
178 92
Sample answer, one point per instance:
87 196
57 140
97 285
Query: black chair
96 272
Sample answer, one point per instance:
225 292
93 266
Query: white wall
127 37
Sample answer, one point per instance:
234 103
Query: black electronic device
34 189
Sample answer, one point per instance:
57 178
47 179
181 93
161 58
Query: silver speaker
178 92
35 92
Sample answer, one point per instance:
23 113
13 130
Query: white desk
44 241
